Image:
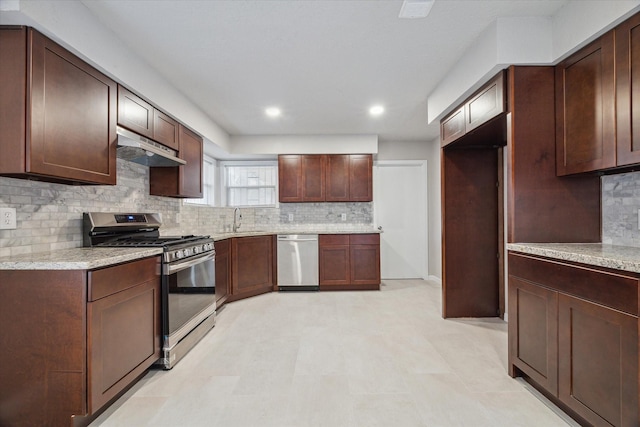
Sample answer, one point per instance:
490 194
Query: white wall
517 40
579 22
73 26
403 150
434 210
304 144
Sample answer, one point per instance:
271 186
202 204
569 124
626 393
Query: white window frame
210 181
223 180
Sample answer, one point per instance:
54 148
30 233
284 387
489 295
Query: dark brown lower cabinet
74 339
349 262
252 266
573 332
333 253
598 362
223 271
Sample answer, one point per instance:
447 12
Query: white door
400 208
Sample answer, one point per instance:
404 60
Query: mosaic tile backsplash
49 216
620 205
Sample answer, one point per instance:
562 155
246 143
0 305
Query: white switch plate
7 219
343 216
290 216
638 219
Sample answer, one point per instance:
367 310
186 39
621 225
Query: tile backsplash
49 216
620 205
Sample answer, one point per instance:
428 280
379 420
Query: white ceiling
324 63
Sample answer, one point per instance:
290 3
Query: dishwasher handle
298 238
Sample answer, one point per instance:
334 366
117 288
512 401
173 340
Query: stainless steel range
188 274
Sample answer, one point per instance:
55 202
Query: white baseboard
435 279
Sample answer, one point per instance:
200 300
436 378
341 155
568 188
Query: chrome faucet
237 219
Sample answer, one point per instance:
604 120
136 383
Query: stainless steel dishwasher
298 262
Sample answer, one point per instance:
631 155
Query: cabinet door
191 150
333 252
585 109
337 178
223 271
166 130
313 178
598 362
452 126
365 264
251 266
628 91
486 104
123 340
73 117
135 113
180 181
360 178
290 178
533 332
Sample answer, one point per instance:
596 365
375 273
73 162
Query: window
209 167
251 183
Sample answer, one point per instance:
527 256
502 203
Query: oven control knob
196 249
178 254
209 246
187 252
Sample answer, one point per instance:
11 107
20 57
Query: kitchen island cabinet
58 113
573 332
349 262
77 339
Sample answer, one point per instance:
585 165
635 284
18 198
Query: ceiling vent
412 9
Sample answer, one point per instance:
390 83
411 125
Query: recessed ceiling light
376 110
273 112
415 8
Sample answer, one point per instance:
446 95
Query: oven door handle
172 268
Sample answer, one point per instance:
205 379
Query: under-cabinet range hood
138 149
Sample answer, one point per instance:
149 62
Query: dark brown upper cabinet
338 178
585 109
180 181
58 113
597 103
313 178
290 178
360 177
141 117
628 91
325 177
485 104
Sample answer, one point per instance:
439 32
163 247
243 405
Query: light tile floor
340 359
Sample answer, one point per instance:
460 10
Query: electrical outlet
7 219
343 216
290 217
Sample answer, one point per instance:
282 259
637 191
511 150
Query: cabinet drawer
364 239
609 289
333 239
108 281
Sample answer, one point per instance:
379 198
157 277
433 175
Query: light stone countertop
76 258
90 258
301 230
624 258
